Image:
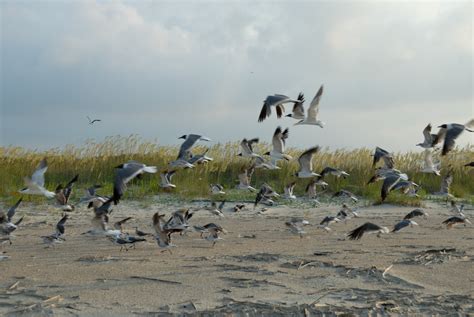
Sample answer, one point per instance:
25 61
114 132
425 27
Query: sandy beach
260 268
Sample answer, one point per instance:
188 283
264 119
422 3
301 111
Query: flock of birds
178 222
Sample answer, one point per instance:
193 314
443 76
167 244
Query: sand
260 268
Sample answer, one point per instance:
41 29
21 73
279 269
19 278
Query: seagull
276 101
264 196
199 158
402 224
125 173
383 172
306 164
239 207
346 194
245 178
212 226
35 184
189 141
216 210
63 194
289 191
313 110
217 189
310 189
214 231
471 164
334 171
453 221
298 110
91 122
165 179
6 224
345 211
91 195
278 142
259 162
56 237
450 132
368 228
416 213
247 150
125 239
458 210
163 236
119 224
385 155
431 140
141 233
446 182
395 182
430 166
296 226
328 220
178 222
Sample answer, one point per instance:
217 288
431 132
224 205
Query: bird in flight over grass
91 122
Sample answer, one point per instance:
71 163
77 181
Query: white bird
198 158
450 132
125 173
247 149
165 179
368 228
385 155
430 140
278 142
289 191
217 189
245 178
306 164
35 184
429 165
276 101
260 162
298 109
343 193
189 141
333 171
313 110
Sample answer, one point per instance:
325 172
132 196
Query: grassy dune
94 162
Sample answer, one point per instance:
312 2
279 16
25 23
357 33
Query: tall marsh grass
94 162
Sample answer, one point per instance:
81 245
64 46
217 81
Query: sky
161 69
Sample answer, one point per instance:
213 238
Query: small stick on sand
386 270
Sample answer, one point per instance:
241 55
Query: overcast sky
164 69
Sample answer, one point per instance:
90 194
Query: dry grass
95 162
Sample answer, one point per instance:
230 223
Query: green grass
94 162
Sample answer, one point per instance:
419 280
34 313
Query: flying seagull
296 226
429 165
189 141
125 173
450 132
403 224
416 213
6 224
328 220
395 182
334 171
245 178
346 194
279 143
306 164
276 101
217 189
310 189
162 236
264 196
446 182
165 179
289 188
63 194
91 122
298 110
35 184
313 110
58 236
247 149
199 158
431 140
368 228
385 155
456 220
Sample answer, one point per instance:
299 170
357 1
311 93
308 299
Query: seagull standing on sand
313 110
367 228
306 164
276 101
35 184
450 132
125 173
278 142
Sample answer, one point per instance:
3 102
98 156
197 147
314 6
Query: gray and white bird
63 194
215 209
92 196
403 224
298 109
118 225
245 178
183 156
6 224
213 233
470 164
276 101
333 171
430 140
382 172
385 156
457 209
346 194
367 228
210 226
311 188
347 212
445 186
264 195
456 220
247 148
313 110
162 236
306 163
450 132
58 236
125 240
260 162
395 182
430 166
165 179
217 189
296 225
279 143
202 158
416 213
289 191
125 172
35 184
327 221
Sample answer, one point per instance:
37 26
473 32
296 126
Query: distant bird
247 148
123 240
346 212
306 164
165 179
313 110
209 228
163 236
446 182
6 224
289 191
298 109
91 122
214 231
367 228
276 101
333 171
63 194
260 162
431 140
296 226
58 236
279 142
416 213
471 164
429 165
346 194
403 224
35 184
382 173
216 210
385 155
450 132
453 221
178 222
239 207
141 233
189 141
217 189
92 196
245 178
125 173
119 224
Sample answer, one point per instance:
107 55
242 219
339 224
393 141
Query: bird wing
246 148
191 139
298 109
427 134
251 142
314 106
221 205
68 189
118 224
399 226
11 211
428 159
60 224
446 182
38 174
388 184
277 142
305 159
450 137
244 179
